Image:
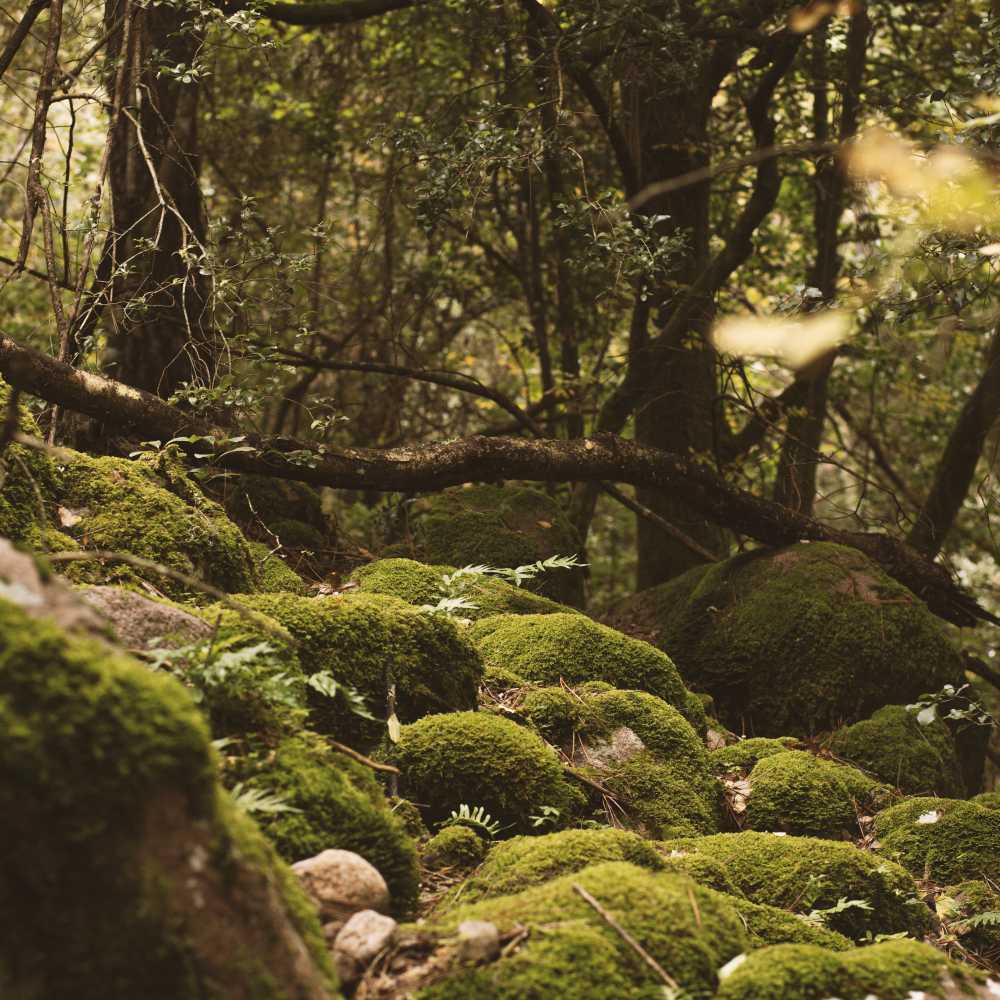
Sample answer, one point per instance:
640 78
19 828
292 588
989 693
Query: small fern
990 918
476 819
259 800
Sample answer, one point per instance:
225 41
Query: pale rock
478 942
342 883
359 941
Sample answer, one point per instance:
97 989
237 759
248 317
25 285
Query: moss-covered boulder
478 759
988 800
797 640
803 874
972 912
917 759
947 840
547 649
770 925
274 575
506 526
797 792
453 847
330 801
522 862
571 950
891 970
421 584
27 485
151 508
742 756
367 641
125 870
267 507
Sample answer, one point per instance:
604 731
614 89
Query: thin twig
626 937
361 758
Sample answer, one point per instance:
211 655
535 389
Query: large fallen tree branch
479 459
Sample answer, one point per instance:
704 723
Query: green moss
571 951
408 814
705 870
341 806
273 574
454 847
297 534
27 484
988 800
958 903
891 970
481 760
522 862
151 508
917 759
363 639
768 925
797 792
548 648
116 830
947 840
559 714
805 873
744 755
418 583
263 500
797 640
498 526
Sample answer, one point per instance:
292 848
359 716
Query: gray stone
359 941
136 620
478 942
342 883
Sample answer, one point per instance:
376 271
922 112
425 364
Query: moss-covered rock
124 868
453 847
571 951
274 575
891 970
151 508
797 640
988 800
522 862
947 840
332 802
917 759
972 912
504 526
797 792
481 760
545 649
770 925
742 756
367 640
264 502
421 584
802 874
27 486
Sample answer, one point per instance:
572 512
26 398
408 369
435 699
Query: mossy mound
504 526
274 575
481 760
523 862
421 584
744 755
917 759
125 869
703 869
571 950
264 502
331 802
453 847
972 911
797 640
768 925
891 970
367 641
797 792
947 840
151 508
803 874
988 800
547 649
27 485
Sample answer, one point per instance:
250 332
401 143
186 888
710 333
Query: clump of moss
742 756
891 970
768 925
797 792
337 803
298 535
988 800
545 649
153 509
571 951
522 862
454 847
116 830
367 641
917 759
960 905
947 840
481 760
27 484
265 501
418 583
505 526
274 575
798 640
705 870
806 873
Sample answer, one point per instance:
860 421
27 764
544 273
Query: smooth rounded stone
137 621
622 745
359 941
478 941
342 883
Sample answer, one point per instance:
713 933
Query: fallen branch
432 467
361 758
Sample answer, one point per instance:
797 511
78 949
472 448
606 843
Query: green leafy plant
477 819
822 916
259 800
546 816
990 918
951 703
325 683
